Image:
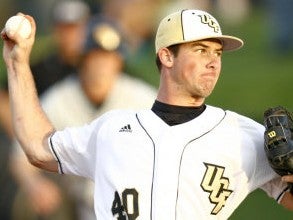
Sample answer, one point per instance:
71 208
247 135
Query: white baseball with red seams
18 24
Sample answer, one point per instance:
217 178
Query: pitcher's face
197 67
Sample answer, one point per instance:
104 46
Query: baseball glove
278 139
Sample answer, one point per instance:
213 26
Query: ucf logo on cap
210 21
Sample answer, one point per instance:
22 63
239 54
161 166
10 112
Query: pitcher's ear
166 57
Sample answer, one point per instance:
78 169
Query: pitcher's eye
201 51
218 53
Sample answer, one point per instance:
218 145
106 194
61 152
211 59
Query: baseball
18 24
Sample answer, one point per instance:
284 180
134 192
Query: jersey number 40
127 207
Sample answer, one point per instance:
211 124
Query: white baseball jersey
146 169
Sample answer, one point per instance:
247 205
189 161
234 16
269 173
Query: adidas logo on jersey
126 128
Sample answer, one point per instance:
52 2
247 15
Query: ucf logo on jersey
216 185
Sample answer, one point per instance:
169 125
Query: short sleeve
75 149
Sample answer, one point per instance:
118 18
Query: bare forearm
30 123
287 200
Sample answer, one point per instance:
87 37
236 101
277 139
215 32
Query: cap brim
229 43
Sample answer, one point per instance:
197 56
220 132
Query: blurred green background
253 79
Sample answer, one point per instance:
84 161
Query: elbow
32 152
48 165
47 162
38 152
35 161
